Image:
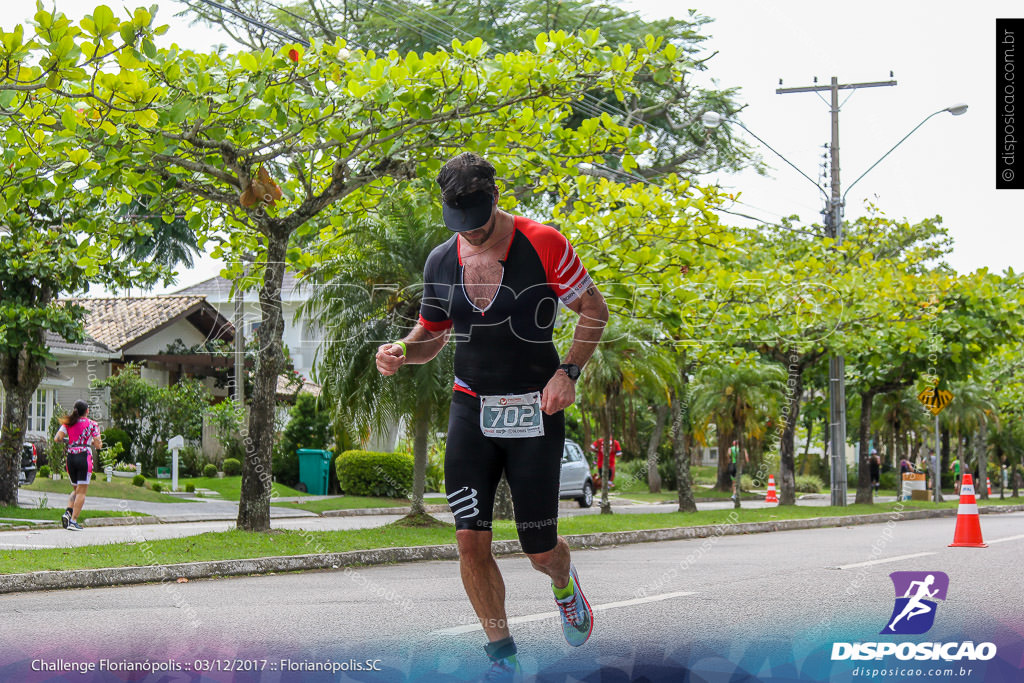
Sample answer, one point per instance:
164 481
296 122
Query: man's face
480 236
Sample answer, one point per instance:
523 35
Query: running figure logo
914 612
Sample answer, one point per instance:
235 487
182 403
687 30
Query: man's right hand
389 359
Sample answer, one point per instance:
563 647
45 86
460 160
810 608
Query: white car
575 481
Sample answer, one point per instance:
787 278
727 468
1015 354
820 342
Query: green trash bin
314 469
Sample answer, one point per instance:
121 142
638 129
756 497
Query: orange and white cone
968 524
771 497
988 483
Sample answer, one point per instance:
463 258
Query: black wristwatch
570 369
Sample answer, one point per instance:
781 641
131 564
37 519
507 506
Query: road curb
98 578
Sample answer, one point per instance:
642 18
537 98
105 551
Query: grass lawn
53 514
121 489
230 488
353 502
241 544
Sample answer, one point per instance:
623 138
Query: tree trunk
503 500
865 493
682 461
981 448
724 482
254 503
20 375
944 463
653 478
740 445
421 429
787 445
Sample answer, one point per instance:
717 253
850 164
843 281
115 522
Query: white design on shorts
471 504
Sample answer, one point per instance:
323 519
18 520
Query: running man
496 286
83 436
914 606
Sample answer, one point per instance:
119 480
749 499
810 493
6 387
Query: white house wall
157 343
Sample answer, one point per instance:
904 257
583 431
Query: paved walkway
197 515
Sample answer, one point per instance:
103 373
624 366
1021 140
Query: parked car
575 481
29 460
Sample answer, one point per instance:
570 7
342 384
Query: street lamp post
835 203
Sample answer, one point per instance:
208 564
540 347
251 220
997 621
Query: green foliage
116 435
889 481
190 488
366 473
227 422
806 483
232 467
191 461
309 426
210 471
44 472
668 473
139 480
151 415
110 455
157 486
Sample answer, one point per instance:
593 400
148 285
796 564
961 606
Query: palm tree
968 414
168 244
736 398
371 295
628 364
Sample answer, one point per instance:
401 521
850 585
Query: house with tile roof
301 336
152 331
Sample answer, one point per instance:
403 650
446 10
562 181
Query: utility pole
834 227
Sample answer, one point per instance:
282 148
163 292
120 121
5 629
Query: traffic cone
988 482
771 497
968 524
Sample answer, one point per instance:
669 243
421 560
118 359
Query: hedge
366 473
232 467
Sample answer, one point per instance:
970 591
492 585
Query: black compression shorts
473 465
79 467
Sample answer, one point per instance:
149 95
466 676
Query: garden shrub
232 467
808 483
366 473
138 480
210 471
190 488
157 486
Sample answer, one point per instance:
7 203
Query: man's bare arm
421 344
593 312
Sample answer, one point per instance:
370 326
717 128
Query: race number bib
511 417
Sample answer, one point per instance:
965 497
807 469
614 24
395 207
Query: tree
669 110
736 397
367 295
54 237
628 362
338 129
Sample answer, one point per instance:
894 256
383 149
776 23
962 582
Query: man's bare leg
482 581
554 563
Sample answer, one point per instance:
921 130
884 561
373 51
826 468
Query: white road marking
1008 538
18 546
883 560
469 628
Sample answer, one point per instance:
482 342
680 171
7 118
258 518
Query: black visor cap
470 212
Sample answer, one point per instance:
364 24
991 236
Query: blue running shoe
65 518
577 616
74 526
505 670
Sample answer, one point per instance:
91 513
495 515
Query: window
38 411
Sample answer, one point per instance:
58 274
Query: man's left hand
559 393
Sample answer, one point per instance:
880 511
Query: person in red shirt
598 448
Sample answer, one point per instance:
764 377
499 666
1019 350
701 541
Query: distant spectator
598 449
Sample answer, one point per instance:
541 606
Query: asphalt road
764 603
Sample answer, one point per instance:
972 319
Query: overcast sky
941 54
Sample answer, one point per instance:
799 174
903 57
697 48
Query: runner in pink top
83 435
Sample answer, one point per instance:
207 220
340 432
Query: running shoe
505 670
577 616
65 518
74 526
